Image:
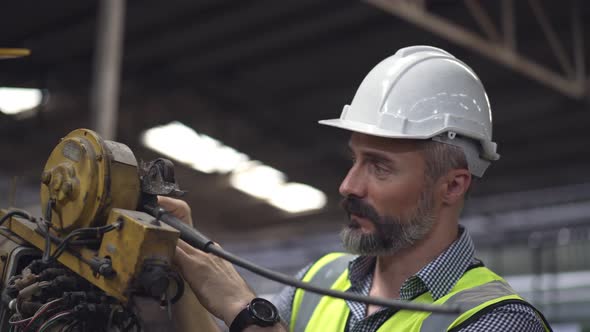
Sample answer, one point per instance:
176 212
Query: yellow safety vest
478 291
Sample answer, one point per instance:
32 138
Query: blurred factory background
232 91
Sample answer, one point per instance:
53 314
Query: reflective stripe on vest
478 289
467 299
324 277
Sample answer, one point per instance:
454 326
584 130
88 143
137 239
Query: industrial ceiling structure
257 75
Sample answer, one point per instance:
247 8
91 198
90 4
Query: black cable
42 229
84 242
48 216
12 213
45 257
198 240
133 323
110 320
179 286
97 231
284 279
65 241
92 231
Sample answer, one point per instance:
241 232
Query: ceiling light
297 197
198 151
17 100
258 180
208 155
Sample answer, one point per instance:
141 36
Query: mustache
355 205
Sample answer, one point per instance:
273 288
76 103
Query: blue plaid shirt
438 278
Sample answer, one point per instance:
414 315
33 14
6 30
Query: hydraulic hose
201 242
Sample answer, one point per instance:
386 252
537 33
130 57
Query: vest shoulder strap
323 273
484 311
470 299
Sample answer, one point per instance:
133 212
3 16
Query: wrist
234 309
275 328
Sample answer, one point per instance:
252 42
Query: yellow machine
89 262
77 267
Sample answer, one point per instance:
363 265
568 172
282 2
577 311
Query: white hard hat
423 92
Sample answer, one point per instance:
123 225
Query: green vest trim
476 291
489 308
322 274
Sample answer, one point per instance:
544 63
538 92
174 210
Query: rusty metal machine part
88 182
93 185
157 178
90 189
40 290
141 242
85 177
138 240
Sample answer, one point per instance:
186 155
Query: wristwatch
258 312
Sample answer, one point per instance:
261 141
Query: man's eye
380 170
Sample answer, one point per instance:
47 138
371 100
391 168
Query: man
421 128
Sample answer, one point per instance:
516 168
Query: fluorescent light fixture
268 184
17 100
198 151
209 155
258 180
297 197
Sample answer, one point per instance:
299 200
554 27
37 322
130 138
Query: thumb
177 208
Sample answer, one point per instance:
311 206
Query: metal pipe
482 19
107 67
468 39
578 39
552 39
508 26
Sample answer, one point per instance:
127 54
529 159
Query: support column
107 67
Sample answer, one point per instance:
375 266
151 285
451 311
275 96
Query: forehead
363 142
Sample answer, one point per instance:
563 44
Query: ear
457 182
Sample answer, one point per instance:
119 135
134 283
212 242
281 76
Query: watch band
259 312
242 320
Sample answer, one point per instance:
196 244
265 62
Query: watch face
264 310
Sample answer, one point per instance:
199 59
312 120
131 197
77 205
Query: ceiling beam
496 51
289 34
208 33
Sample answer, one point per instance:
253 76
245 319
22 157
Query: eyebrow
378 157
373 155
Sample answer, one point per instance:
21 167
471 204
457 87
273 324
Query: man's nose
354 183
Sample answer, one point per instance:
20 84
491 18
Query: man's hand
215 282
177 208
219 287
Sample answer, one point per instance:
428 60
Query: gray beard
392 233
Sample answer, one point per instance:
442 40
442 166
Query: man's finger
180 257
166 202
187 248
177 208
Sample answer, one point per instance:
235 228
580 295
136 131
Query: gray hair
441 158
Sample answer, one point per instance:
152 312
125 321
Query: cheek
395 198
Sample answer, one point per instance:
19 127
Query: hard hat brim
488 153
366 129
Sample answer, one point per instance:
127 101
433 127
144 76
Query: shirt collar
438 277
